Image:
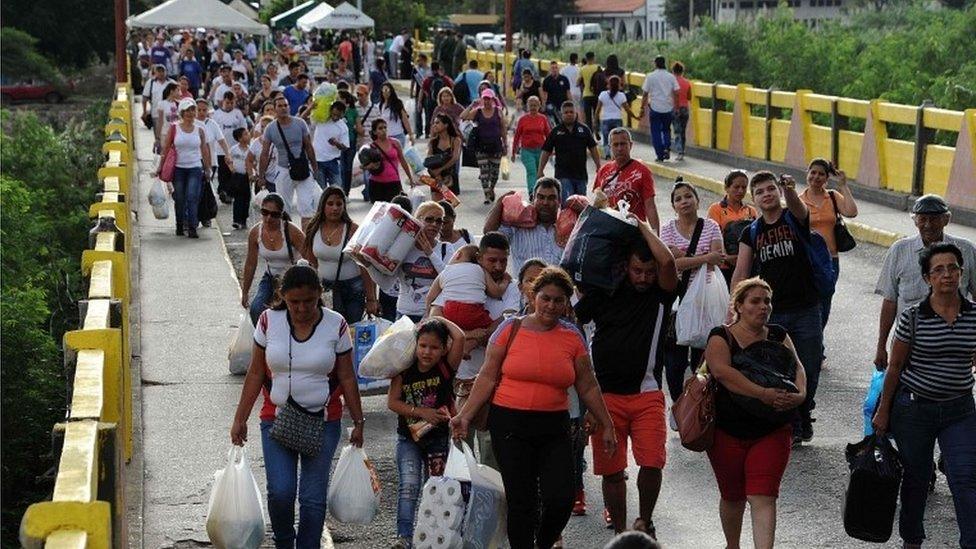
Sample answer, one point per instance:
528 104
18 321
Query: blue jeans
262 298
330 173
806 331
570 186
412 464
680 125
661 133
187 183
605 127
916 424
825 302
281 468
348 298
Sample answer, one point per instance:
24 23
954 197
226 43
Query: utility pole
121 58
691 15
508 44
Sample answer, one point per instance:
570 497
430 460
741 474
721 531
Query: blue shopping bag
871 399
365 333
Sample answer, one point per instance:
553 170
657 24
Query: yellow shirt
586 73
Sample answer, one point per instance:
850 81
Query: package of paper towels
441 514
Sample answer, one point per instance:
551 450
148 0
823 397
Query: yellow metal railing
87 507
793 127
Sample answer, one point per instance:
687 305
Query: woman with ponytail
278 242
610 106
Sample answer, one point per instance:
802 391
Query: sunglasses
274 214
434 220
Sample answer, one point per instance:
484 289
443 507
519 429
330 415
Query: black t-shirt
628 344
430 389
780 259
557 89
571 146
526 92
729 416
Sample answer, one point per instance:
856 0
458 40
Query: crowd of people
512 355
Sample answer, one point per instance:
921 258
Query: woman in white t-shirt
298 343
192 153
710 250
397 120
166 111
610 106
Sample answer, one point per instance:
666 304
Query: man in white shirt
229 119
661 91
329 140
152 92
224 84
396 48
572 72
215 136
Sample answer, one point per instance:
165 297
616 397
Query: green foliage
536 18
47 184
906 53
20 59
273 8
676 12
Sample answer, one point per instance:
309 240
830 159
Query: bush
47 184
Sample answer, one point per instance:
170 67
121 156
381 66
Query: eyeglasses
434 220
951 269
273 214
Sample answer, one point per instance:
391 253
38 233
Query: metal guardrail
793 127
87 507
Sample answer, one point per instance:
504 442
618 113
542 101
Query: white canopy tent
306 22
297 9
211 14
344 16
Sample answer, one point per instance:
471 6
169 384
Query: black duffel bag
872 493
767 364
596 254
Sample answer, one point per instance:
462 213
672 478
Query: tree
20 58
676 12
537 17
73 34
273 8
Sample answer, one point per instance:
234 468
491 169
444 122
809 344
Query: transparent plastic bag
486 516
159 200
257 200
505 168
235 513
239 352
354 492
392 353
703 307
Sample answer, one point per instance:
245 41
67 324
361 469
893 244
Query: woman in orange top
732 216
531 361
824 205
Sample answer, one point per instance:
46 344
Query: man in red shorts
627 349
627 178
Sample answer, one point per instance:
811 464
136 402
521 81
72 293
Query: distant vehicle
482 40
497 43
30 90
575 35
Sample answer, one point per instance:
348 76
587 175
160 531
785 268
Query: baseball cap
187 104
930 204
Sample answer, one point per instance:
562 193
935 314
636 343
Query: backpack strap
690 252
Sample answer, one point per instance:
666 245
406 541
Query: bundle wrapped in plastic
384 238
414 159
516 212
392 353
443 189
596 253
322 100
568 216
441 514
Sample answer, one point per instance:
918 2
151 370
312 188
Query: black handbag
207 206
842 235
295 427
438 160
758 363
298 168
872 492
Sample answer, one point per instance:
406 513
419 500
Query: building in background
810 12
621 19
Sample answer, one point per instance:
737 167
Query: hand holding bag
842 235
295 427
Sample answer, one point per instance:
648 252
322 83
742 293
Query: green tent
286 20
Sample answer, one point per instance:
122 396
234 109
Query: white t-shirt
661 85
416 273
509 303
153 90
219 90
214 135
464 283
167 109
255 148
228 122
238 154
188 154
611 106
325 151
397 45
445 250
311 360
394 123
572 73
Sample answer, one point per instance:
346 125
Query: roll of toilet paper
428 516
451 518
423 537
451 493
443 538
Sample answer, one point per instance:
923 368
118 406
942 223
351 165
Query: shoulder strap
466 236
516 324
291 157
692 248
291 255
345 239
616 174
834 201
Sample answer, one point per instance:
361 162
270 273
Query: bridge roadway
189 311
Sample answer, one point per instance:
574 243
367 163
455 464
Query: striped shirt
539 241
940 364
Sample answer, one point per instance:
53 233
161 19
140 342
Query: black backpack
437 83
462 94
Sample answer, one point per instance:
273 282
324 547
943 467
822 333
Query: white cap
187 103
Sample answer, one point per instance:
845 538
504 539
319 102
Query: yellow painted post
806 121
122 172
743 107
694 116
879 133
117 407
50 517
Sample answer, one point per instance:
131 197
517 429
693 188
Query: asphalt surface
200 402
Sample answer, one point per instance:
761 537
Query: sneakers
192 233
672 422
237 225
579 506
681 156
803 432
205 223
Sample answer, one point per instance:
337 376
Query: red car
30 90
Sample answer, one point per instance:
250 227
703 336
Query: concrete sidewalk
190 308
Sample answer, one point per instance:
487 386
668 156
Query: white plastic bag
703 307
392 353
487 513
239 352
257 200
354 492
418 195
159 200
235 514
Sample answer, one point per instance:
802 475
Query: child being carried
466 287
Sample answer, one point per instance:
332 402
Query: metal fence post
922 137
